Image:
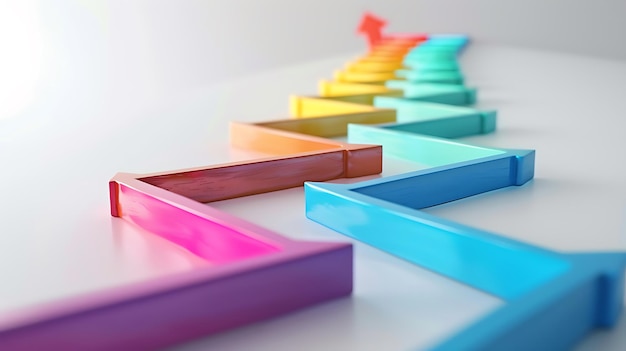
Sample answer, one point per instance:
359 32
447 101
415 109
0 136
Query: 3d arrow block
390 100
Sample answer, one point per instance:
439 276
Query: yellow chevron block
374 66
356 93
314 107
365 77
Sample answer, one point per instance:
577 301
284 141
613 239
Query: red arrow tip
371 22
371 26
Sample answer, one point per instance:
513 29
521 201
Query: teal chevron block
423 149
444 77
414 74
451 94
407 111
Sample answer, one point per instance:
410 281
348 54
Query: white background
90 88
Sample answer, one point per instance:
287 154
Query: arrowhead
551 300
555 315
371 27
608 271
371 22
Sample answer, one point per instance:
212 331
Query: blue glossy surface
384 213
552 300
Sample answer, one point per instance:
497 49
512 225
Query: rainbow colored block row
552 300
405 99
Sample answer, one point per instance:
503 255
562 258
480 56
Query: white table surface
57 239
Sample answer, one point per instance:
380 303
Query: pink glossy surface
212 241
163 312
